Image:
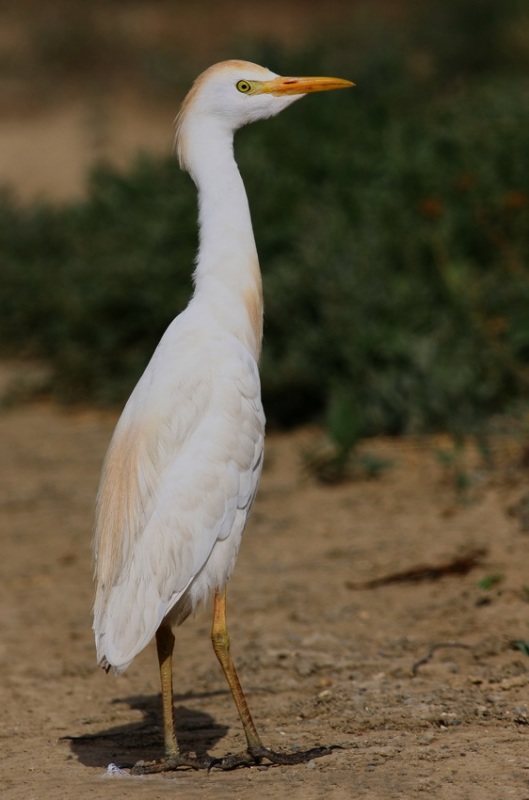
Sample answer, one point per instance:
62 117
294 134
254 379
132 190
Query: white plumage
184 463
179 479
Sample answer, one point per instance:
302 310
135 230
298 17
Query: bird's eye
244 86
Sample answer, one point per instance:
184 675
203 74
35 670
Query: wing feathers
176 481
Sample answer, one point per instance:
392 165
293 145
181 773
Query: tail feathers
108 658
122 629
124 626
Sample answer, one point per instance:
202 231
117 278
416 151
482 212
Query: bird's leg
256 749
221 646
164 646
173 757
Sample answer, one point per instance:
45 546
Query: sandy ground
322 662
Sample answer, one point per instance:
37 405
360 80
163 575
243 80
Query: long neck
227 276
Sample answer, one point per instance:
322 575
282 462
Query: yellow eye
244 86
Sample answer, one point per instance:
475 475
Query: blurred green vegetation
392 223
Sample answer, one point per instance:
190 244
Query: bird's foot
172 763
256 755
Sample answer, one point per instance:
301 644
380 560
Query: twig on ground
429 655
459 565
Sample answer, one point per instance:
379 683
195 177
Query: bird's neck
227 276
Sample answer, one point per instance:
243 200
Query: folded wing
179 478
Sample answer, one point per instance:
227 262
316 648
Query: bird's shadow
125 744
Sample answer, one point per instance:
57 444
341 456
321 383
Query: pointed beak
285 86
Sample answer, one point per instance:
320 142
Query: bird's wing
180 475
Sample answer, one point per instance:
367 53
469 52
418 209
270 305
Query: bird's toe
172 763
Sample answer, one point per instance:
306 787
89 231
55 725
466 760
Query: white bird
183 466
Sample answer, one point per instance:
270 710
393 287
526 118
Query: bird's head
233 93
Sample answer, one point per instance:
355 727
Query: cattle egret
182 469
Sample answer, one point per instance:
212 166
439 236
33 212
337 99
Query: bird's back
177 486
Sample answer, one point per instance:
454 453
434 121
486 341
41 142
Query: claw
297 757
255 756
172 763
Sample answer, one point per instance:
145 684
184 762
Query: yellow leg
256 749
221 646
173 757
164 646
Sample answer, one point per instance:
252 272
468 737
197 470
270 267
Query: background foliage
392 224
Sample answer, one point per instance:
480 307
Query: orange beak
282 86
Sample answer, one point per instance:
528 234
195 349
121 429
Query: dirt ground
322 661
